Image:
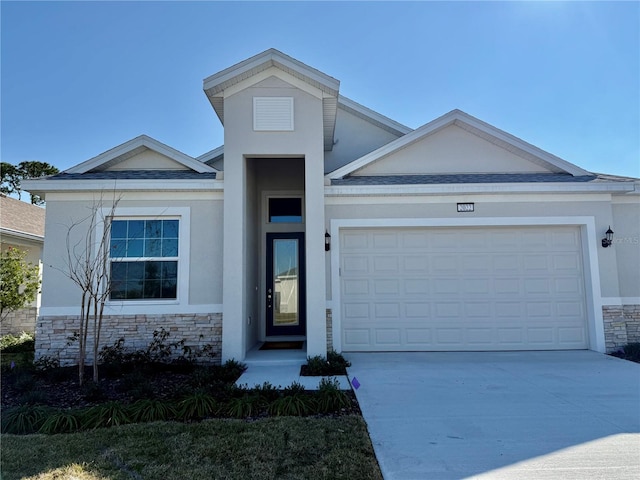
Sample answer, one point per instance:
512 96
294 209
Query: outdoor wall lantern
608 239
327 241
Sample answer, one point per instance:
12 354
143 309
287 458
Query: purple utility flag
355 383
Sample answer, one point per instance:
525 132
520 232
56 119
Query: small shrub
197 405
46 362
337 361
632 352
151 410
267 392
25 342
113 354
230 371
317 365
23 419
333 364
108 414
61 421
158 350
294 389
329 396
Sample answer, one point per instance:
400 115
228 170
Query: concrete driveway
504 415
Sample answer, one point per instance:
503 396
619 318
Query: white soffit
133 147
475 126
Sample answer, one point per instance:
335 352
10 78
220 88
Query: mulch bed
66 393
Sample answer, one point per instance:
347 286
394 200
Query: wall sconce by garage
608 239
327 241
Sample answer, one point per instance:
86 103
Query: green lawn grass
283 447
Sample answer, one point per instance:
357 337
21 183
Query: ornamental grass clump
330 398
152 410
108 414
196 406
24 419
61 421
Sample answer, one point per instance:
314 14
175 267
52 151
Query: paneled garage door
465 288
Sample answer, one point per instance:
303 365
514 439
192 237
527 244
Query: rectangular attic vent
273 114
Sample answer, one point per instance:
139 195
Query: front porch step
256 357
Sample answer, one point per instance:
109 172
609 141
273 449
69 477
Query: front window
144 259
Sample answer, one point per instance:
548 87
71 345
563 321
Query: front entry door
285 295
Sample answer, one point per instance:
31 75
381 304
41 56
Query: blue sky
79 78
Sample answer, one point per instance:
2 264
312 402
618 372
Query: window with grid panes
144 259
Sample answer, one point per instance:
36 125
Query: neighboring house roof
215 85
21 219
133 147
473 125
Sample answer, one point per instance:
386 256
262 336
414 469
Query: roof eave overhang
8 232
42 187
475 188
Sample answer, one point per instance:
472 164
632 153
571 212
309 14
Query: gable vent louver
273 114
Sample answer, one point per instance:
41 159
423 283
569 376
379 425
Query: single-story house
321 220
22 228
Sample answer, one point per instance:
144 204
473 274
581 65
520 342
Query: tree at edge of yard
19 281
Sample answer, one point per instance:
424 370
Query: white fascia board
373 115
39 186
475 188
271 57
211 154
141 141
7 233
444 121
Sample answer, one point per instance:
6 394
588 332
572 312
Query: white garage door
462 289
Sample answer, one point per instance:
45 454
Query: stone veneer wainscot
53 332
621 325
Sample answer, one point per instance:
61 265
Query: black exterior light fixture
327 241
608 239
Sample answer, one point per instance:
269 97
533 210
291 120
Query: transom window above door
285 210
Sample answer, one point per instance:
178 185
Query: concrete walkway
501 415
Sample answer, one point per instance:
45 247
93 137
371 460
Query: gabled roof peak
133 147
473 125
215 85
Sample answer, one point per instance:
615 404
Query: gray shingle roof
21 216
462 178
136 175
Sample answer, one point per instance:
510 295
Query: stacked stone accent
329 330
23 320
621 325
53 333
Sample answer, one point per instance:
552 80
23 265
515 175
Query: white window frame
183 215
